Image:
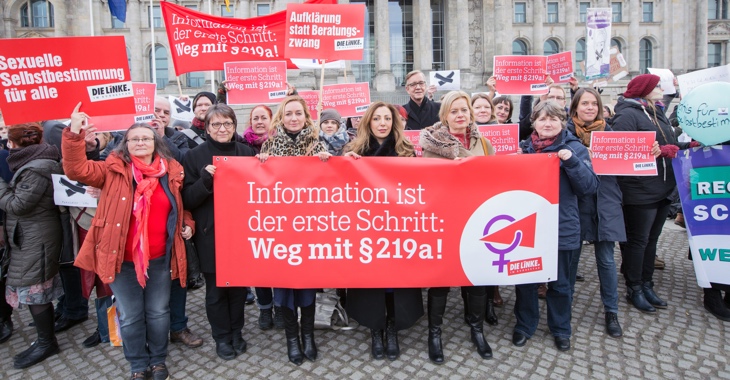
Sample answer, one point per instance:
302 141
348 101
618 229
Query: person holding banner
135 242
577 180
483 110
646 199
503 109
259 123
224 306
33 248
389 310
454 137
601 218
293 133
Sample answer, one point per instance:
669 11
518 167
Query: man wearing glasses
422 112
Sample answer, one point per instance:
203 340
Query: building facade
403 35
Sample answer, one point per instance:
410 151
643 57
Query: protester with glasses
135 242
422 112
223 305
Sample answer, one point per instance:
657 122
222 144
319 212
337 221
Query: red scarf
147 178
539 144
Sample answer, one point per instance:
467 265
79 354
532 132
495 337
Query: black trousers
6 311
225 308
473 290
643 227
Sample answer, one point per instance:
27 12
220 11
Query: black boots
613 328
377 349
714 304
6 329
490 316
239 344
266 319
291 330
635 296
654 300
392 350
308 347
477 306
436 308
46 344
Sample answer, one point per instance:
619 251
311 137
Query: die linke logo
518 233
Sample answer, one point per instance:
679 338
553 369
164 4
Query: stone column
677 32
489 47
422 35
462 20
61 24
502 22
572 32
666 42
384 79
701 35
631 52
98 20
245 9
538 9
451 47
136 46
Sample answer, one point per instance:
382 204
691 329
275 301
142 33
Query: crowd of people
155 192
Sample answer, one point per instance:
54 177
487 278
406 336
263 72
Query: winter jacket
33 231
177 143
304 144
197 194
436 141
577 179
103 249
601 215
425 115
632 116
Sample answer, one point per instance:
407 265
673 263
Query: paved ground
681 342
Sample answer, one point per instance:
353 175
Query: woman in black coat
381 135
223 305
645 198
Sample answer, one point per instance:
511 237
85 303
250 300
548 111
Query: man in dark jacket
176 141
422 112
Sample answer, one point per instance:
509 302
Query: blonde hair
279 115
493 115
361 143
448 100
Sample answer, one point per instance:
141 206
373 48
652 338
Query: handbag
115 333
193 261
330 315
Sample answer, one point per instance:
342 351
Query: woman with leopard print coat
293 133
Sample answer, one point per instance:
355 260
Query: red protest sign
520 74
560 66
349 99
311 97
328 32
255 82
44 78
505 138
414 136
345 227
144 106
200 42
623 153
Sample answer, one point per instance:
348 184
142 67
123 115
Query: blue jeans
559 299
607 275
144 313
178 299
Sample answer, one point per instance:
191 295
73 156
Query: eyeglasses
416 84
228 125
145 140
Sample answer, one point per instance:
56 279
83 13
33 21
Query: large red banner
200 42
44 78
144 107
255 82
383 222
520 74
349 99
623 153
328 32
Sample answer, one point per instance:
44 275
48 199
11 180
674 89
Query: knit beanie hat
208 95
641 86
330 114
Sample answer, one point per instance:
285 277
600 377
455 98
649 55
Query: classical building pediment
31 34
717 31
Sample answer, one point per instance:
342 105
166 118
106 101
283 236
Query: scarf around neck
583 131
197 123
147 179
18 157
541 144
336 141
253 139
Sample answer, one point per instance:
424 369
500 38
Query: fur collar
437 139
